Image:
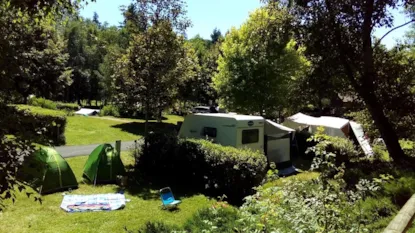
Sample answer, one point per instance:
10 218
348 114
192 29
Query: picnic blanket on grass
98 202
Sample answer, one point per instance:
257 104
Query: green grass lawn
82 130
29 216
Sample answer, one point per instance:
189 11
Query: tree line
288 56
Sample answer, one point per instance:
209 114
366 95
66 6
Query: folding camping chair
167 199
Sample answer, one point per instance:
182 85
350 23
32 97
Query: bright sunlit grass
81 130
29 216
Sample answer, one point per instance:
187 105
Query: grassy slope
82 130
28 216
304 176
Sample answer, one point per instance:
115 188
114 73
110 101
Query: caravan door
278 148
252 137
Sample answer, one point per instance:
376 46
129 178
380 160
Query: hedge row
202 166
49 104
48 125
67 106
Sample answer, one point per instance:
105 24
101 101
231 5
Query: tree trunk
147 107
160 116
385 127
367 90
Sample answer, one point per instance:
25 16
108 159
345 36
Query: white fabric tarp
278 150
278 142
98 202
333 126
87 111
274 128
360 136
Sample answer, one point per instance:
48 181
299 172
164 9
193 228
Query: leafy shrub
377 212
302 141
408 147
49 123
333 149
202 165
401 190
110 110
155 227
366 120
381 153
43 103
220 218
311 206
67 106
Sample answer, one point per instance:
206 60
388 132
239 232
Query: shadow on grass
303 162
138 128
144 188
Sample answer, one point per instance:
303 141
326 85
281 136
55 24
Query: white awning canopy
274 128
87 112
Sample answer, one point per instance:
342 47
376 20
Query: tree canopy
340 34
259 63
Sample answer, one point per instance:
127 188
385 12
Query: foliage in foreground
48 123
144 206
204 166
110 110
49 104
259 63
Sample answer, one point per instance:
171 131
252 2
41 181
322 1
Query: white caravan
240 131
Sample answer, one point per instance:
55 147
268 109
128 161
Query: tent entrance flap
103 165
278 149
278 143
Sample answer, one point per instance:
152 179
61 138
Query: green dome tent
103 165
46 171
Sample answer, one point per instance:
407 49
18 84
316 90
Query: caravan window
209 131
250 136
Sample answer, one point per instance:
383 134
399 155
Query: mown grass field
29 216
81 130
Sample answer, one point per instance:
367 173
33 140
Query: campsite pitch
29 216
82 130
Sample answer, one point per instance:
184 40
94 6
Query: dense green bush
49 104
67 106
403 124
202 166
302 141
155 227
377 212
408 147
43 103
221 218
400 190
334 149
49 123
110 110
306 206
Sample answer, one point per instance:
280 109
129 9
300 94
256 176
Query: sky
222 14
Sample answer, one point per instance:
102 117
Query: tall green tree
341 34
34 57
216 36
259 63
154 53
207 54
76 40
